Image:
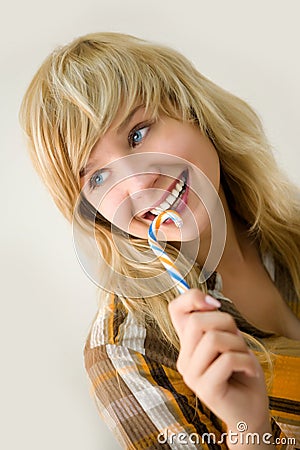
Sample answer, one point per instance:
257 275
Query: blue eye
137 136
98 179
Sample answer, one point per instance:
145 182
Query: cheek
104 202
116 209
178 144
212 168
107 208
207 160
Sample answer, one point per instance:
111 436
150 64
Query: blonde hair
72 101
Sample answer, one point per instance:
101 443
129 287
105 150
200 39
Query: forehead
127 113
124 116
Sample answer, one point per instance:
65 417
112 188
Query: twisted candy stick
182 286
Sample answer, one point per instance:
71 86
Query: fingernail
212 301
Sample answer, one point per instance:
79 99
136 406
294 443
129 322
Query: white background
249 47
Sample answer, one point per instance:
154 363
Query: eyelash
96 174
137 128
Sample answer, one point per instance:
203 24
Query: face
144 166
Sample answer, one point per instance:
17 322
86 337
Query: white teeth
179 185
164 205
157 211
169 200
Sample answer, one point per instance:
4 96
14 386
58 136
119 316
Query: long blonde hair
72 101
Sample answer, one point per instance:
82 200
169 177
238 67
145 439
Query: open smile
175 198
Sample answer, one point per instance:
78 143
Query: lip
183 174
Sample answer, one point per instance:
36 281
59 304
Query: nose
136 185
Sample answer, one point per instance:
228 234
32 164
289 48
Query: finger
198 326
185 304
212 344
198 323
217 376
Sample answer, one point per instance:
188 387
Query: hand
216 363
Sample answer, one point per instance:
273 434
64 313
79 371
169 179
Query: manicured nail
212 301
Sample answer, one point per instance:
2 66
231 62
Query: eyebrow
128 118
88 168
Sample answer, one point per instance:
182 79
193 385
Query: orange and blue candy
181 284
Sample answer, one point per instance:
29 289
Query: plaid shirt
142 397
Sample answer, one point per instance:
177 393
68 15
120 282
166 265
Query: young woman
118 129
